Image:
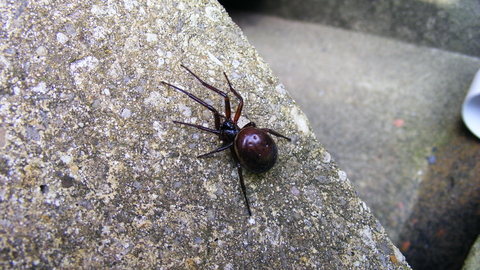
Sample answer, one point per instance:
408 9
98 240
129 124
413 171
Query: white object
471 106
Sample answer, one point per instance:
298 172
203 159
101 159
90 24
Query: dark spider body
251 147
256 148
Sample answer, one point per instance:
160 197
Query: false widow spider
252 147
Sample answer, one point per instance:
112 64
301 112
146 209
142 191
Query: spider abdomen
255 150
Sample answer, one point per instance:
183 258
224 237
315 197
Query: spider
252 147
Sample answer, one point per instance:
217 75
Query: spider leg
225 147
273 132
199 127
242 185
240 102
223 94
216 115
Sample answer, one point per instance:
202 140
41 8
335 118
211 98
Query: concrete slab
95 174
452 25
387 111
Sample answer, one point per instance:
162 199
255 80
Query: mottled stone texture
95 175
389 112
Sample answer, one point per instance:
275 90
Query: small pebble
294 190
126 113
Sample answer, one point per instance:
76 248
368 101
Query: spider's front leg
223 94
216 115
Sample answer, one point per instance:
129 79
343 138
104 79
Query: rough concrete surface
389 113
473 259
94 173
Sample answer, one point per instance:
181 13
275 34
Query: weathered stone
389 112
473 259
452 25
95 174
